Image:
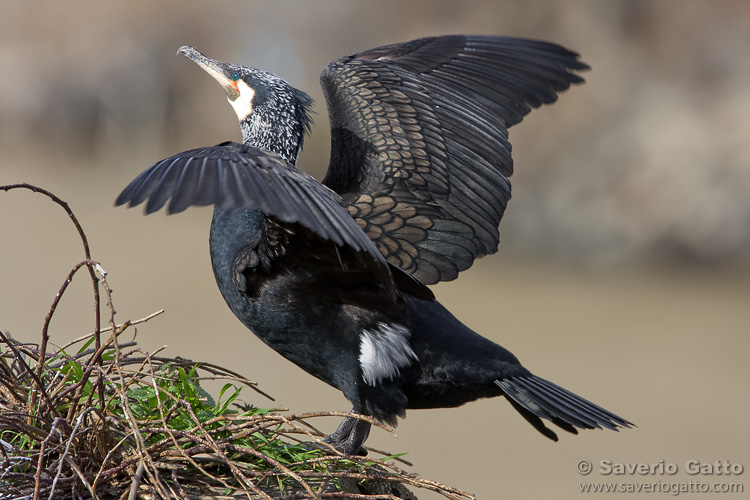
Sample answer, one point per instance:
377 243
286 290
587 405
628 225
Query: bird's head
273 115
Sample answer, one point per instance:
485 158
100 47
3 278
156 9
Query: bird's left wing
232 175
419 141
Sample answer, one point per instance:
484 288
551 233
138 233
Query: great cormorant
332 275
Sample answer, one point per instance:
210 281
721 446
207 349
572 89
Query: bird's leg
349 436
342 431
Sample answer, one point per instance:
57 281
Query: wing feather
233 176
422 127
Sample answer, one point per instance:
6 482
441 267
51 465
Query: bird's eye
235 77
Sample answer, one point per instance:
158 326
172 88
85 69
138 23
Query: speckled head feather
280 115
273 115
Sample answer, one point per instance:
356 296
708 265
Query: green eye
235 77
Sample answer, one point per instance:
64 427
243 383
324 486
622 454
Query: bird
334 275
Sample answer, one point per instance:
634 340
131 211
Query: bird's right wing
419 141
232 176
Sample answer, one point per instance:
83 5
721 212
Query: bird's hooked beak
239 94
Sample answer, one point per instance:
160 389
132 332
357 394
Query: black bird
332 275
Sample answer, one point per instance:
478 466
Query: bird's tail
536 398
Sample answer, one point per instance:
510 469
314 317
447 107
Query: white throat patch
243 105
384 351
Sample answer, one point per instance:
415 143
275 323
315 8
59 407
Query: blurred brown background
624 268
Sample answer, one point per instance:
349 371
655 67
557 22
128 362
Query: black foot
349 436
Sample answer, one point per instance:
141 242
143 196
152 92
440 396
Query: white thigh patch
384 351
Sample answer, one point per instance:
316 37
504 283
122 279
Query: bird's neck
286 142
280 132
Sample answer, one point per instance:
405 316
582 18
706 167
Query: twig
136 433
244 481
137 481
109 329
67 449
171 431
86 251
38 475
37 381
45 329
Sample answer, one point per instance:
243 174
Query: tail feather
571 412
536 398
599 415
537 422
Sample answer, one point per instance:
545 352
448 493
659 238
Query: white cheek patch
243 105
384 351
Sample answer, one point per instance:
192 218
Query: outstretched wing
419 134
232 175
